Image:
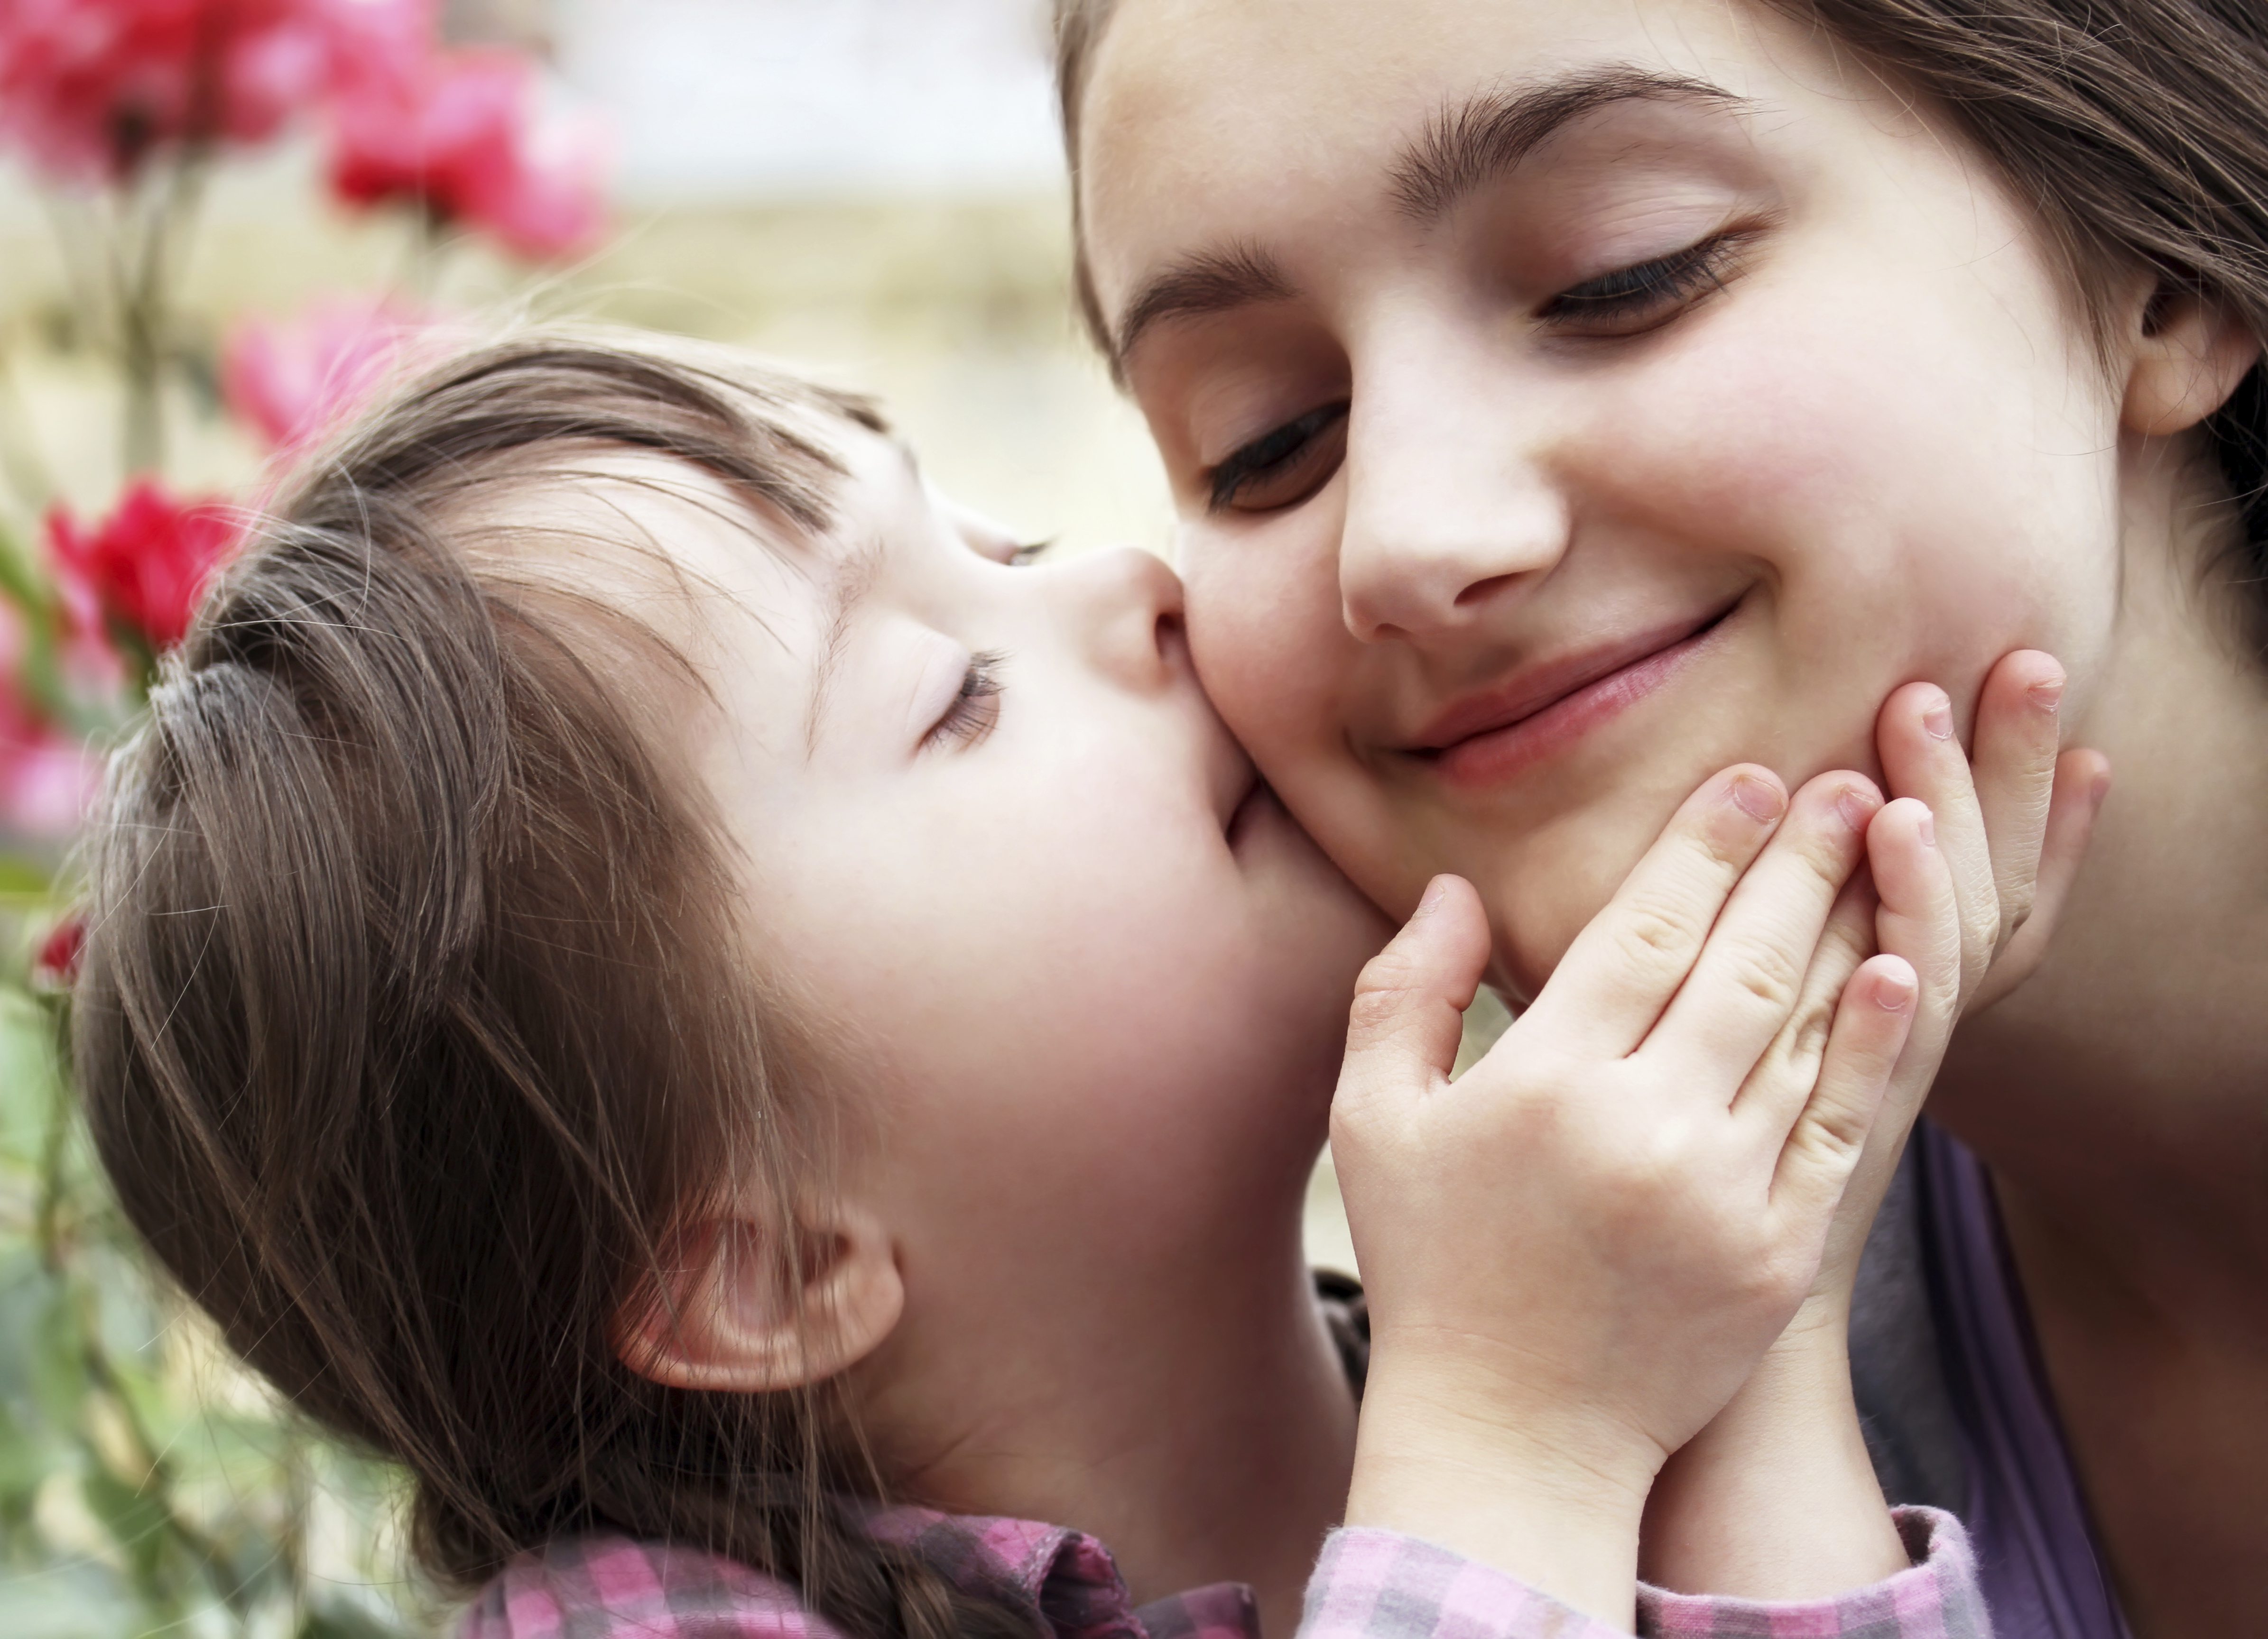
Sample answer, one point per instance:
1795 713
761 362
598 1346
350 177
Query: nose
1451 509
1124 609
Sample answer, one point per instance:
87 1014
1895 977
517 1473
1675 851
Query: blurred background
222 223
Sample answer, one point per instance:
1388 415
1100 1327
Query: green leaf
24 879
335 1620
138 1520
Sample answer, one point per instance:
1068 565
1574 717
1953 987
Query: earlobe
741 1311
2189 351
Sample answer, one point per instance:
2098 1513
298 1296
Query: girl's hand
2013 822
1576 1254
1777 1499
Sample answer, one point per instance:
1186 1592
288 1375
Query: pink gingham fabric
1377 1584
1368 1585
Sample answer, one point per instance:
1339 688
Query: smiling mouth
1488 739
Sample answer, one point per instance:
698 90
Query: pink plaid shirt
1368 1585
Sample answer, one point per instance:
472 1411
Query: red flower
296 379
145 565
58 962
89 89
466 140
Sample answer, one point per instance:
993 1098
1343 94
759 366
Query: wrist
1777 1498
1549 1495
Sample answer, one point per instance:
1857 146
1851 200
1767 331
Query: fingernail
1938 719
1757 798
1928 828
2047 696
2101 789
1431 898
1893 992
1856 805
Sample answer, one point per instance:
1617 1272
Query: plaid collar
1062 1580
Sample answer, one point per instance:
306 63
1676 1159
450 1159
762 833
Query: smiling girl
1564 400
649 970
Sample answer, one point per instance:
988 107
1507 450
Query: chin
1540 900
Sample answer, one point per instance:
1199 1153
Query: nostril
1481 591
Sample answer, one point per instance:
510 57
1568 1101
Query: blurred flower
144 564
47 777
57 962
294 379
469 142
89 89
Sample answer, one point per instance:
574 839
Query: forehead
1209 124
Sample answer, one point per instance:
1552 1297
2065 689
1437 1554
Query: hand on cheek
1578 1253
2011 824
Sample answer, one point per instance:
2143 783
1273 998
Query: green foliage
148 1483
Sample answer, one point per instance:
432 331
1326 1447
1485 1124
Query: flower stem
145 315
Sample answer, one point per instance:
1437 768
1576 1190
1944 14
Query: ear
747 1311
2189 352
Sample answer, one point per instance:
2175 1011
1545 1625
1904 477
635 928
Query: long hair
412 1007
2135 130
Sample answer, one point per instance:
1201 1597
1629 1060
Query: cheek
1924 485
1274 653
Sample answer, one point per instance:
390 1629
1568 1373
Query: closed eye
1632 301
1281 467
975 706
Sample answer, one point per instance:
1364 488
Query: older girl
643 968
1565 400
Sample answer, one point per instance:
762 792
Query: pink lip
1489 737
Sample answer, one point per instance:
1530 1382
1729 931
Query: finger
1922 759
2082 780
1622 969
2013 766
1873 1023
1784 1078
1750 973
1409 1002
1919 919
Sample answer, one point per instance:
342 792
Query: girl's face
1565 401
1059 943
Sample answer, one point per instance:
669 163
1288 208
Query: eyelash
1269 450
1642 291
1677 279
976 707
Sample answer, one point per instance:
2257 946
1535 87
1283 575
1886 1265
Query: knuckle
1769 974
1376 1010
1650 930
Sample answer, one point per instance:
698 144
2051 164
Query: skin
1096 1067
898 830
1871 442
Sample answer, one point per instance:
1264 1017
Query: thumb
1409 1004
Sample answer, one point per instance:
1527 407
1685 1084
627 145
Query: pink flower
47 778
466 140
296 379
90 89
145 565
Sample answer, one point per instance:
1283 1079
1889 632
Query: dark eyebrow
1472 142
1463 146
1210 284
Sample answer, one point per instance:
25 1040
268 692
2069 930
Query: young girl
643 968
1565 400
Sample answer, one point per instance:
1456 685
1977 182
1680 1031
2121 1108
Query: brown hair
412 1011
2137 130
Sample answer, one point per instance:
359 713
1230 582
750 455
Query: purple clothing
1368 1585
2042 1573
